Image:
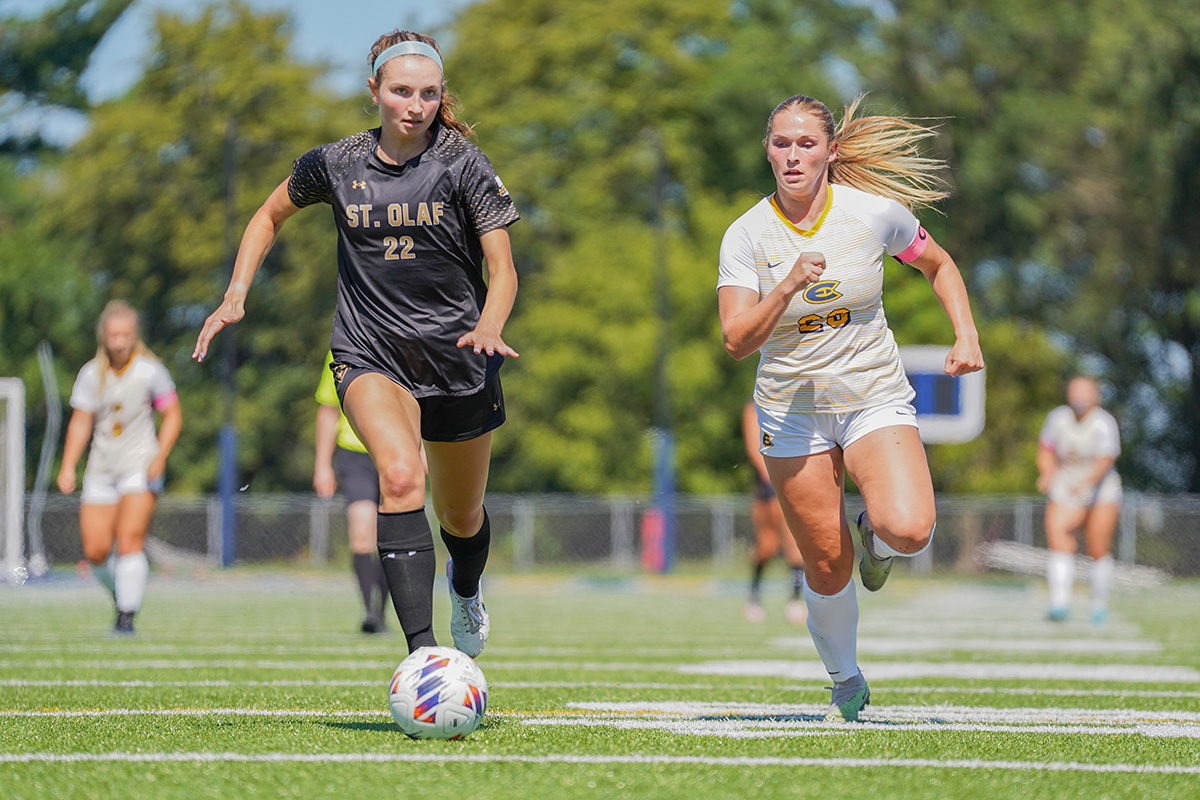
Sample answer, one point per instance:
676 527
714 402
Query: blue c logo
822 292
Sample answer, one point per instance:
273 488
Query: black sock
381 589
406 552
797 582
366 565
470 556
756 579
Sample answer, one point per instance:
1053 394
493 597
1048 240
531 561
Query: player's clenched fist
807 269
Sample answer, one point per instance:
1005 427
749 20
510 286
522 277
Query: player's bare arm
502 291
942 273
260 235
747 322
79 431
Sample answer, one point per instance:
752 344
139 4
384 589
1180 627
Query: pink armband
164 400
916 248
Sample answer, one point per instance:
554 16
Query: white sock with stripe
1102 578
1060 574
833 623
131 572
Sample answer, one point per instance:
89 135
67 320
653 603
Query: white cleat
849 699
872 569
469 623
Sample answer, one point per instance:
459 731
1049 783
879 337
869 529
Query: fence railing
535 530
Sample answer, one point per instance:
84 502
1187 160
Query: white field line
722 727
602 760
357 648
742 713
981 690
903 670
23 683
297 664
174 684
793 670
1025 691
896 645
921 713
192 712
742 729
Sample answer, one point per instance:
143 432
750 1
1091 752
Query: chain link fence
536 531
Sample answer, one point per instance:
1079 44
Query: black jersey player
417 333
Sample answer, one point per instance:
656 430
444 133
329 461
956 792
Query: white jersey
1077 443
832 350
124 439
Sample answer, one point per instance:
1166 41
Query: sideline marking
789 669
1019 691
901 670
900 713
889 646
732 728
566 758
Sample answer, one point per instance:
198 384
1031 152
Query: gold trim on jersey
817 225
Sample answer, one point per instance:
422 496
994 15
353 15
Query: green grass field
255 684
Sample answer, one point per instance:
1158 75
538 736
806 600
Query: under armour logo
767 440
339 371
495 406
358 184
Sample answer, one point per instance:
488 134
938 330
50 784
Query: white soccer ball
438 693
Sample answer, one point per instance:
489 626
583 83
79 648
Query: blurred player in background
771 532
416 342
1077 453
801 280
115 399
342 461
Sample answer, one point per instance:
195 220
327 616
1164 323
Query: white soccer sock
104 574
882 549
132 571
1102 578
833 623
1060 574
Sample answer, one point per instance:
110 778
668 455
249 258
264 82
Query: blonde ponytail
877 154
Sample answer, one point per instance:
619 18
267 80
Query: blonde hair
876 154
449 105
117 308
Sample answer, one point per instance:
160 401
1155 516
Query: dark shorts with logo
443 418
356 475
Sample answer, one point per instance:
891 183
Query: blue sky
339 32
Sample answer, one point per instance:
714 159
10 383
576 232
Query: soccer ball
438 693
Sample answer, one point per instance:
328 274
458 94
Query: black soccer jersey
410 265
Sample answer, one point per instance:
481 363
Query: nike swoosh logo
773 266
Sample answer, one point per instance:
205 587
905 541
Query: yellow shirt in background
327 396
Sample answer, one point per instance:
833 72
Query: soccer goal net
12 479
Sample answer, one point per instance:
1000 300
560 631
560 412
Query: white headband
408 49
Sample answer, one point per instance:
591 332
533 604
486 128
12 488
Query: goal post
12 479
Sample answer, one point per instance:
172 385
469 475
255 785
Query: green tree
41 58
576 125
1076 169
142 197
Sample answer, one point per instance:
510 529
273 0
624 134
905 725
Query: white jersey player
115 399
801 281
1077 453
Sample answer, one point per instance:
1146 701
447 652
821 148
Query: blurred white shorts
106 490
788 434
1108 490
